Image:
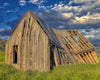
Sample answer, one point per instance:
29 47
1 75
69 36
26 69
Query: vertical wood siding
33 47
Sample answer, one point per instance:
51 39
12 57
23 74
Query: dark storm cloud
53 18
56 19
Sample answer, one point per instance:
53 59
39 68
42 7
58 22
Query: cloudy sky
83 15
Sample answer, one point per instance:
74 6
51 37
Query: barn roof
62 37
47 30
72 41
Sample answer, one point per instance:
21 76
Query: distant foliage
99 58
2 43
2 57
97 49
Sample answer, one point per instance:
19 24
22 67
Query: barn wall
33 47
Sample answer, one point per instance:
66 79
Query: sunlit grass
66 72
2 57
99 58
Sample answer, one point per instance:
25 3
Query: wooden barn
33 45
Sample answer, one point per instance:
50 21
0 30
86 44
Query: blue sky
83 15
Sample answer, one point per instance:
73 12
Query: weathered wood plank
55 57
81 59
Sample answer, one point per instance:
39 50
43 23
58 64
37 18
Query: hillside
2 43
97 49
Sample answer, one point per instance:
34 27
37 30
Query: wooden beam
55 57
85 40
84 57
73 36
61 40
88 58
81 59
77 58
73 43
92 55
95 56
79 52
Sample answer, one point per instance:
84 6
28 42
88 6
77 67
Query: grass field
67 72
2 57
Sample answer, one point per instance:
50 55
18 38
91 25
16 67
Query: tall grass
2 57
66 72
1 52
99 58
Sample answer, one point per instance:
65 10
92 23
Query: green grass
2 52
2 43
2 57
67 72
99 58
70 72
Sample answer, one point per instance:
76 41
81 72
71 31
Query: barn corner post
56 59
5 53
53 55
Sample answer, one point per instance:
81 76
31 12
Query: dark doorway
52 62
15 50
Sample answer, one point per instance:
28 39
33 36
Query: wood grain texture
33 53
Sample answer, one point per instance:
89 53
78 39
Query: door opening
52 62
15 50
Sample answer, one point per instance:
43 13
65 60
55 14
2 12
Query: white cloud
4 29
91 5
9 11
61 27
93 34
68 15
4 37
63 7
39 3
5 4
42 7
87 4
87 19
1 30
22 2
94 31
33 1
89 36
82 1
